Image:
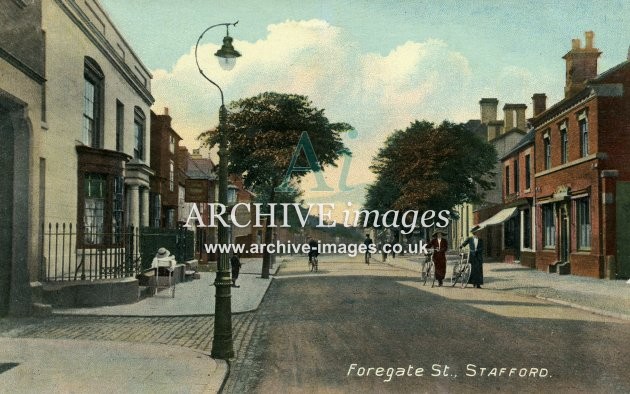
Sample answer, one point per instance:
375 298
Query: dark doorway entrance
6 205
15 132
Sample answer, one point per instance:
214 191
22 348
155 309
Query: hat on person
438 231
475 229
162 253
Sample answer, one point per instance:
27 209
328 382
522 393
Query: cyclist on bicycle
367 242
314 249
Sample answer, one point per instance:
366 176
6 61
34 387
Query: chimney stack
488 109
514 116
521 121
508 117
539 101
581 65
196 154
166 111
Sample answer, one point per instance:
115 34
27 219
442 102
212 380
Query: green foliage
431 167
264 130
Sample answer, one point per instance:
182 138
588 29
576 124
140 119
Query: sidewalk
29 365
601 296
194 298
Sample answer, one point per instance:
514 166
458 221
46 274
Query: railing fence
69 255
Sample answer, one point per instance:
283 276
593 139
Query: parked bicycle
461 270
428 269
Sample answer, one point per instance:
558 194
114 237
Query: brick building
582 171
503 135
518 196
243 234
201 188
167 180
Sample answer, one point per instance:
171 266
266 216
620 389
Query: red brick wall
573 132
609 136
585 264
510 161
161 157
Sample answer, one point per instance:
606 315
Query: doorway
15 225
7 154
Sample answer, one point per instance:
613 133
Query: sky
378 65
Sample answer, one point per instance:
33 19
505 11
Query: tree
431 167
263 132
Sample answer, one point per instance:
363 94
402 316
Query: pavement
36 365
45 365
600 296
193 298
31 365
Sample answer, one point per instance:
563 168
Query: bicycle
428 269
461 270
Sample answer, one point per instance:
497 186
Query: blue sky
515 32
377 65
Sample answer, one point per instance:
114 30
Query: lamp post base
222 345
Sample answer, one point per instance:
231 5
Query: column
145 207
134 205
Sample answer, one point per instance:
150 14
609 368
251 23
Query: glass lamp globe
227 54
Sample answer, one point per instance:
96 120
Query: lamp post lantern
222 345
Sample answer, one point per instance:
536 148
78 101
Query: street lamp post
222 346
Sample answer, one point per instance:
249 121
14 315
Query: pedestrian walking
367 242
440 246
393 244
475 245
384 251
235 262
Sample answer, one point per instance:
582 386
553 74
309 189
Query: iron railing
68 255
71 255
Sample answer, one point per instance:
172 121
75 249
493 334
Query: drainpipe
602 215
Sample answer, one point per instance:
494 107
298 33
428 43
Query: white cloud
376 94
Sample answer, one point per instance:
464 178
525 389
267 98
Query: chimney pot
166 111
575 43
589 39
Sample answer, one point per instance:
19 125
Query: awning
499 218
